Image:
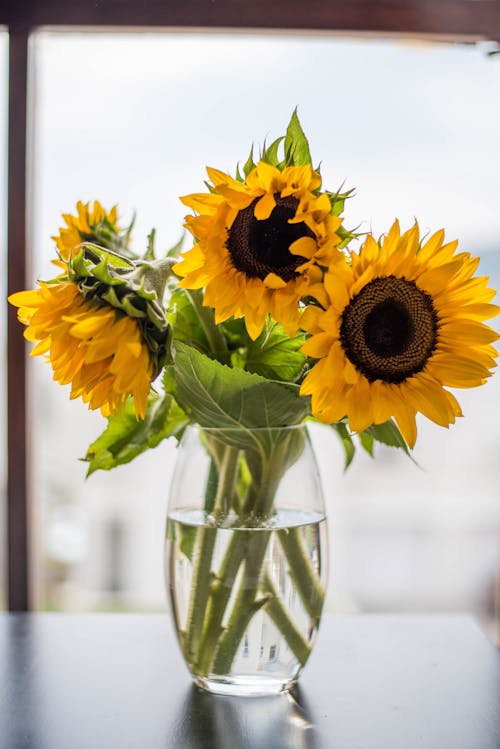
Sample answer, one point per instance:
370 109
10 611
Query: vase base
244 686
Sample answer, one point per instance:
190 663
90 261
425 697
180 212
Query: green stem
219 645
223 583
252 549
220 594
278 613
203 551
215 337
202 556
227 478
302 572
245 604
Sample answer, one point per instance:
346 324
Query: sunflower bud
92 223
134 288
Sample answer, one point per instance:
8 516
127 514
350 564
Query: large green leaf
125 437
226 397
274 355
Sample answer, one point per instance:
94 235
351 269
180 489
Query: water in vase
250 620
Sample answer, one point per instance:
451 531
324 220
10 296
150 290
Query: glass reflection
211 721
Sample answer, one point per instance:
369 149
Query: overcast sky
135 118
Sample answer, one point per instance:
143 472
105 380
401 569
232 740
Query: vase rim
287 427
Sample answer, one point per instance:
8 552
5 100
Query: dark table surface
116 681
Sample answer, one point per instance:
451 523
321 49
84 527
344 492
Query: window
134 118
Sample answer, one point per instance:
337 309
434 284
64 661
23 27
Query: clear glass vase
246 556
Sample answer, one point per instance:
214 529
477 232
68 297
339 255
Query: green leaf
389 434
296 146
274 355
367 441
168 381
184 534
235 331
347 443
193 323
187 534
125 437
225 397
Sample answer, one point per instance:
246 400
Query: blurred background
133 119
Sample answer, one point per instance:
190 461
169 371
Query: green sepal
150 253
338 199
249 164
174 251
296 145
91 255
126 437
105 235
134 288
346 236
270 154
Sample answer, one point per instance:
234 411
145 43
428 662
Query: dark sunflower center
261 247
389 330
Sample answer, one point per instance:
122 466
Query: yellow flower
97 349
89 225
401 323
259 243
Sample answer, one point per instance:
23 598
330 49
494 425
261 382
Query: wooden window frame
447 20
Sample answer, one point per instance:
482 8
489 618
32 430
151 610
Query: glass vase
246 556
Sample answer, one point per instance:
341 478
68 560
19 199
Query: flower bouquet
270 319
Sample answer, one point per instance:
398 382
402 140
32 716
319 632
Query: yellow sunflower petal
272 281
399 325
99 352
264 207
238 228
318 345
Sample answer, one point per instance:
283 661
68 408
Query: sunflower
89 225
95 348
260 244
397 325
